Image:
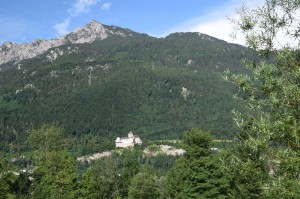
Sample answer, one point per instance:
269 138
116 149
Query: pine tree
55 175
198 174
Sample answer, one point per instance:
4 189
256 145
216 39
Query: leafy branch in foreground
270 131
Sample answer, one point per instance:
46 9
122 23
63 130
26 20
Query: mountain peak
91 26
11 52
87 34
94 23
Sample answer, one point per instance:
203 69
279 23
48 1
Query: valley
118 80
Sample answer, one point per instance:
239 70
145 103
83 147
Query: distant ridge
100 80
12 52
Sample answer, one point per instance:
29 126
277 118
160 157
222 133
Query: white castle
129 141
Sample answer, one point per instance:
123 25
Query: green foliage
136 83
100 181
55 174
144 185
15 186
125 174
4 187
161 162
176 179
197 144
119 84
198 174
270 132
47 138
247 178
129 168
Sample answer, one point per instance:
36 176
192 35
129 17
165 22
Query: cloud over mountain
78 7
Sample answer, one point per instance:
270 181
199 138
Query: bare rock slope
12 52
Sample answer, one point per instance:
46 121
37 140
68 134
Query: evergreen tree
13 184
55 175
129 168
145 185
198 174
4 188
100 181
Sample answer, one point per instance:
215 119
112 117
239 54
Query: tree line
264 163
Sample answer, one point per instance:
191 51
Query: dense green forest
159 88
155 87
127 173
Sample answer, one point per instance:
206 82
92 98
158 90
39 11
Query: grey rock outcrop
12 52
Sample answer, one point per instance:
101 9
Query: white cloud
77 8
106 6
82 6
219 28
62 28
216 23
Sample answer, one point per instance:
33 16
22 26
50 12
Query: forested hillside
75 99
156 87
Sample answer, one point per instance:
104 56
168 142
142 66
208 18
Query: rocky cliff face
12 52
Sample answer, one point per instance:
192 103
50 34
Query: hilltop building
129 141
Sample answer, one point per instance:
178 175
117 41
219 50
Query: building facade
130 141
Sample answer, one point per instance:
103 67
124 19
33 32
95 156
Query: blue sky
28 20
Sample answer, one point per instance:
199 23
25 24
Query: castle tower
130 134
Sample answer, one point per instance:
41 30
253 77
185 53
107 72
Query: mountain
12 52
100 82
